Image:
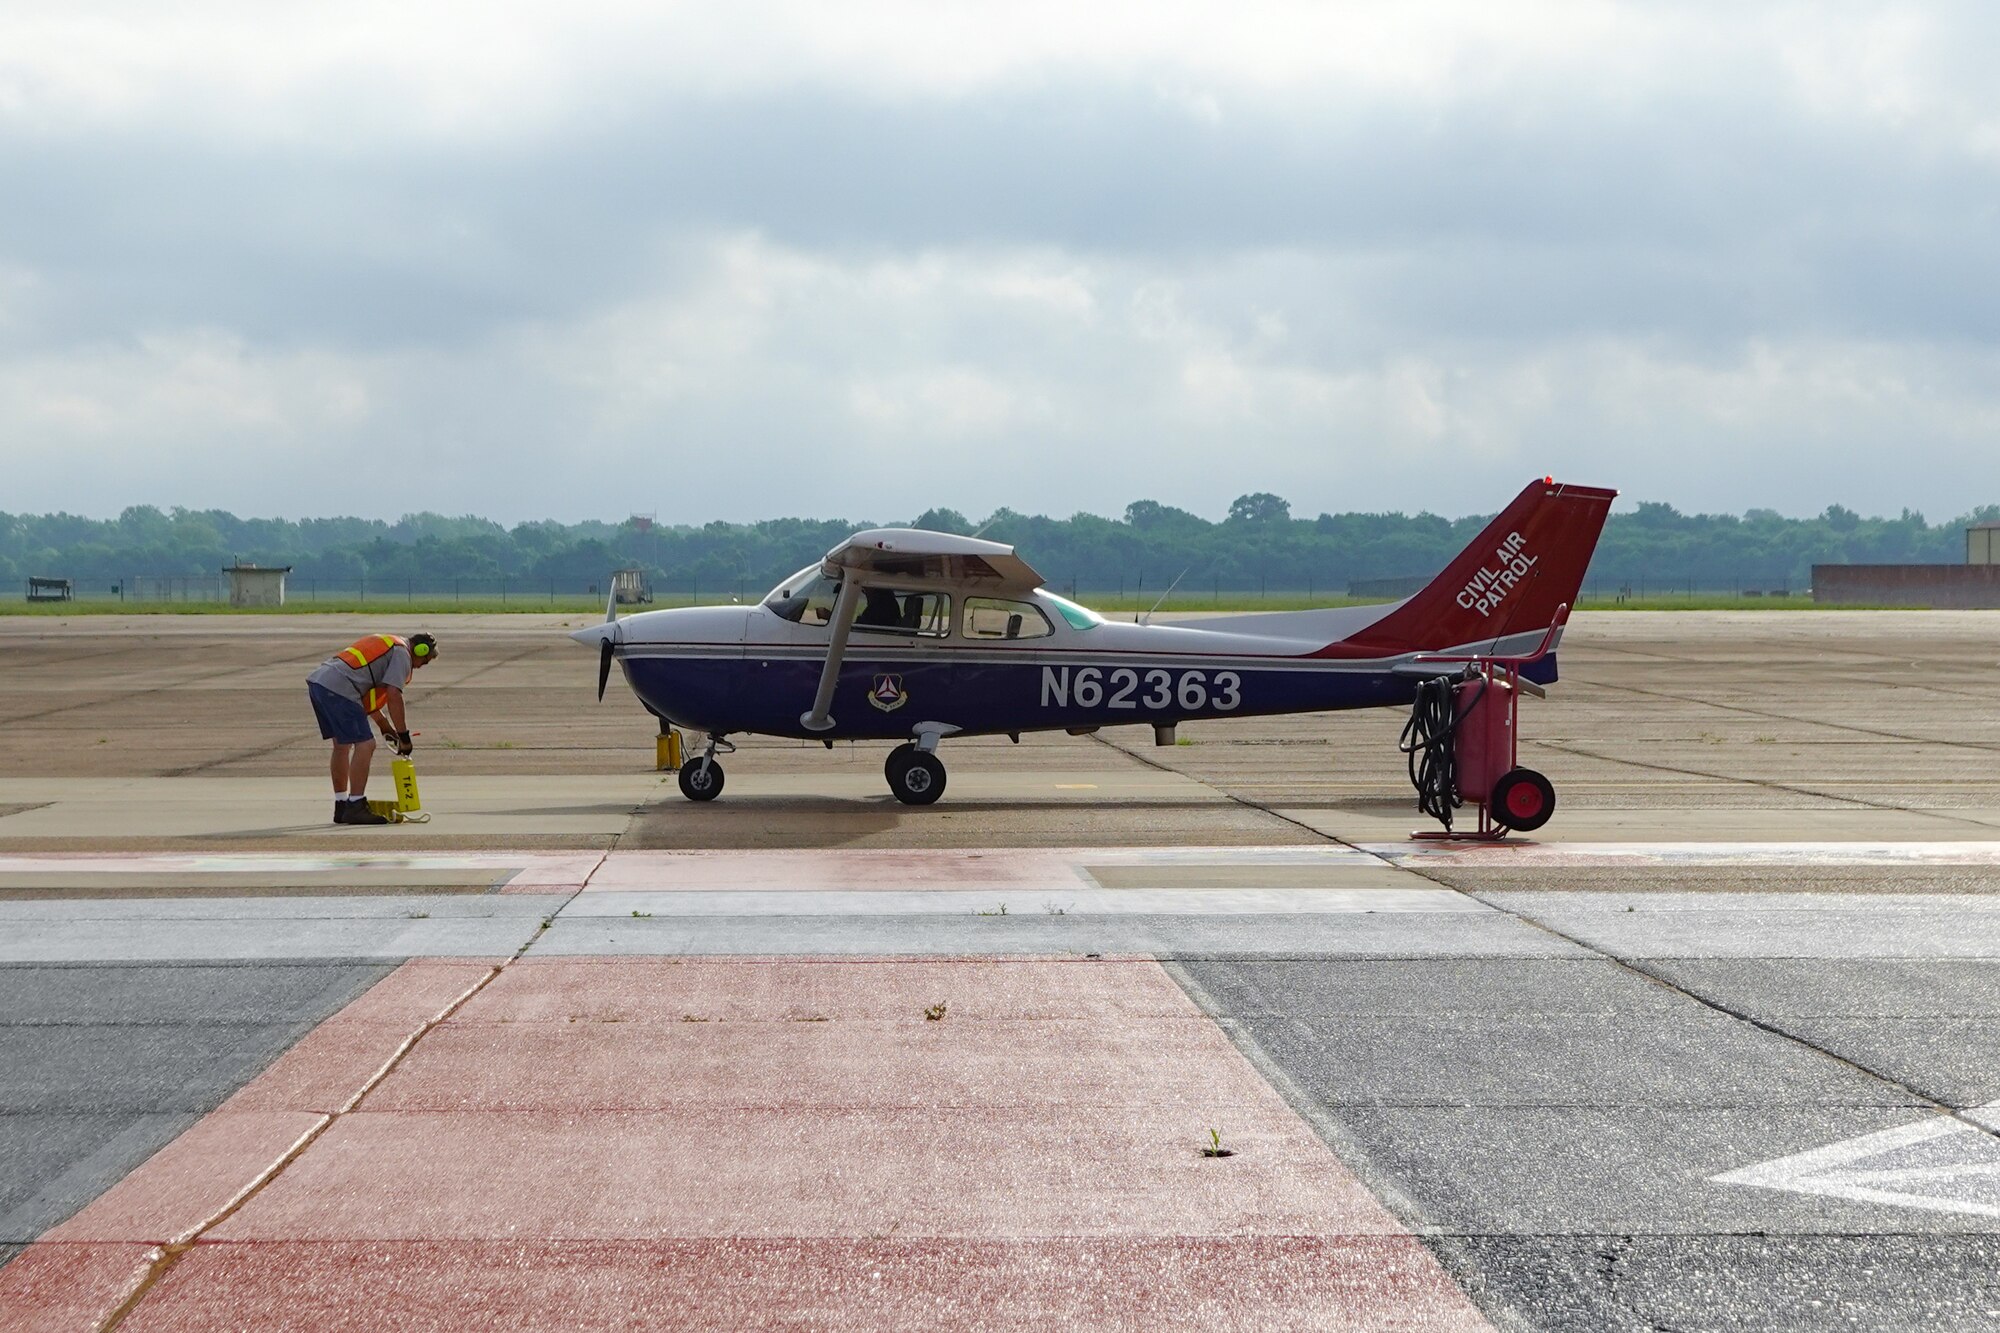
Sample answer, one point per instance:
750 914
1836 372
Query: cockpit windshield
1079 617
806 598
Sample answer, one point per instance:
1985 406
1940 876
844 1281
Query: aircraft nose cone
596 634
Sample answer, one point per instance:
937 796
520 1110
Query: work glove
404 745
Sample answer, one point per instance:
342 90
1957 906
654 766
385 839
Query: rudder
1510 580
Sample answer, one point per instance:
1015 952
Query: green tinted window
1079 617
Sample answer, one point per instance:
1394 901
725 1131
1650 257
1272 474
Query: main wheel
892 767
918 779
1522 800
699 783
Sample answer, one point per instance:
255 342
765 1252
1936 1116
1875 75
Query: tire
918 780
893 765
1522 800
699 786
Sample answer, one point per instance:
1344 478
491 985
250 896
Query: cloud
797 258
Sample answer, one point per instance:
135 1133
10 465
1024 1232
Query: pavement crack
428 696
1225 794
172 1251
1775 716
1922 1097
1764 784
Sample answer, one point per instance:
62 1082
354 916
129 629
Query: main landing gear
916 777
701 776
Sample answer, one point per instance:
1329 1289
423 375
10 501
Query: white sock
357 796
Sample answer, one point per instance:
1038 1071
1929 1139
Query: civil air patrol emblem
888 693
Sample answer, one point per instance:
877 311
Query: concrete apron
708 1143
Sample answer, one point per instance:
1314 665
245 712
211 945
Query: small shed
50 590
630 586
1982 544
257 585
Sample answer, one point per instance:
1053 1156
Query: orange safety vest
363 652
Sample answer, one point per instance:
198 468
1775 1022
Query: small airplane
911 636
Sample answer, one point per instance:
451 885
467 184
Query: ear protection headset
422 647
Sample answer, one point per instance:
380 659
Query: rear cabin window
993 618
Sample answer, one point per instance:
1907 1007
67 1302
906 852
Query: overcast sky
856 259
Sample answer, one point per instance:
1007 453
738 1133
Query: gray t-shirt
391 668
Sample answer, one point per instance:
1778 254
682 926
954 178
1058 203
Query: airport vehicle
915 637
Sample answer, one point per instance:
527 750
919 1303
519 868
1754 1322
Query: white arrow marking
1943 1164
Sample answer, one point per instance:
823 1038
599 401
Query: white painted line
1554 854
989 902
1941 1165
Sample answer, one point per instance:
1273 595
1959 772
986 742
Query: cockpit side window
886 611
995 618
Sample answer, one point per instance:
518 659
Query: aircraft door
899 669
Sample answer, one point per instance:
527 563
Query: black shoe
363 815
341 811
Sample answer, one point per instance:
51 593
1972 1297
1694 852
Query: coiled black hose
1427 741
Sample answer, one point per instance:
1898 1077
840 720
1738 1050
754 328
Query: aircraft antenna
1163 596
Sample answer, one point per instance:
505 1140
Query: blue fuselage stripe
882 697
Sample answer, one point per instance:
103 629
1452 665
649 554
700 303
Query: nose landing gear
701 776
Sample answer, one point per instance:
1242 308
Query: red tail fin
1529 561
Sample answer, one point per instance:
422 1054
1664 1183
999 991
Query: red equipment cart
1486 743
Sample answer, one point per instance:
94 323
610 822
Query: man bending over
364 680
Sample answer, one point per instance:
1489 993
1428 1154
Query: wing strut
844 608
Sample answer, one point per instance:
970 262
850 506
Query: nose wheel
701 776
916 777
701 779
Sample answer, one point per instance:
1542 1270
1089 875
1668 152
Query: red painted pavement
63 1288
664 990
568 1151
1277 1284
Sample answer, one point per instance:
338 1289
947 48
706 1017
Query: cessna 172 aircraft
913 636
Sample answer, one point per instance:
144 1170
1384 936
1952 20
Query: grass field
1108 603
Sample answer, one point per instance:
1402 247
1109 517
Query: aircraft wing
915 556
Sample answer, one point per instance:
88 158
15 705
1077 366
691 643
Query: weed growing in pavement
1215 1148
934 1012
1184 740
636 912
1054 909
1000 911
417 916
693 1018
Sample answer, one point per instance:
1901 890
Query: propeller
608 645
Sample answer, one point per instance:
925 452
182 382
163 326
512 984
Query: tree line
1259 544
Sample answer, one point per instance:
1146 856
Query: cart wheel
1522 800
698 784
918 779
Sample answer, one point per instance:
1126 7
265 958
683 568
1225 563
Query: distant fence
1136 592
